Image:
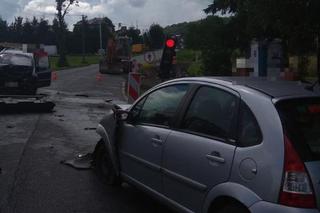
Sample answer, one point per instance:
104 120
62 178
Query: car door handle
215 157
157 141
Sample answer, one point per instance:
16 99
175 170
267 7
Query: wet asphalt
32 146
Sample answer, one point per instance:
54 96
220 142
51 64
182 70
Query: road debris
92 128
82 95
80 162
25 104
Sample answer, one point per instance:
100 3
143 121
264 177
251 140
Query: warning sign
150 57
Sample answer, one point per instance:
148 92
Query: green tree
27 32
157 36
63 7
134 34
3 30
215 38
92 35
16 30
297 23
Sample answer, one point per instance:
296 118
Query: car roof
274 88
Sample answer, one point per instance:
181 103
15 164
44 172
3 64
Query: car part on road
25 104
90 128
80 162
103 166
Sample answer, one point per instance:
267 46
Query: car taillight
297 190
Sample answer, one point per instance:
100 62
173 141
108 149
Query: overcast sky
128 12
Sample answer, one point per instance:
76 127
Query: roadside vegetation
221 39
73 61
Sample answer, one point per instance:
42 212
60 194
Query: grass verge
74 61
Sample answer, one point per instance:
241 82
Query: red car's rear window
301 122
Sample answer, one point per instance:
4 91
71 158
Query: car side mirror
123 115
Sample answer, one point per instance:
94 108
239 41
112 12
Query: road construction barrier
134 84
99 77
54 76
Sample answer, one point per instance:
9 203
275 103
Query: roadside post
134 84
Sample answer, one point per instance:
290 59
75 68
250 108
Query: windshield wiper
311 87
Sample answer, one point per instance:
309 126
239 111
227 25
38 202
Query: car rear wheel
103 165
232 208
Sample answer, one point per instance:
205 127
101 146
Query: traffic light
168 58
170 43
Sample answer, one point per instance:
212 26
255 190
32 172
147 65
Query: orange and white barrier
134 83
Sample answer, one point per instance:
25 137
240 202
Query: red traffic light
170 43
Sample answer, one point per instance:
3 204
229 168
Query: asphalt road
32 146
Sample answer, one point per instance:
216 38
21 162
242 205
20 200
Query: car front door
42 69
142 137
198 154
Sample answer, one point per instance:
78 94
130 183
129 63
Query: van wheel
103 166
233 208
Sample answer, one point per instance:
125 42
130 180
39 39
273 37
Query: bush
195 69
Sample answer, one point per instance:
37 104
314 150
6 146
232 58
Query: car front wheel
103 165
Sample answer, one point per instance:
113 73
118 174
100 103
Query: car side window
135 112
249 130
211 113
161 106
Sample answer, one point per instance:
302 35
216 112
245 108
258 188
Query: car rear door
143 136
198 154
42 69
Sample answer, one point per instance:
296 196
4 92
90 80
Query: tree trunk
303 62
62 42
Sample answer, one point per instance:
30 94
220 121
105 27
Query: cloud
40 6
129 12
137 3
8 8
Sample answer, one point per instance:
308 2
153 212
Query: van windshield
301 122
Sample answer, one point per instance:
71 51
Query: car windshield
301 121
15 59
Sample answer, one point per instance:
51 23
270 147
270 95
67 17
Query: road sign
150 57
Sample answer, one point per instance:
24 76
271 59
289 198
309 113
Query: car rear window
15 59
301 122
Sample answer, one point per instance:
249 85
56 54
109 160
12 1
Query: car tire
232 208
103 166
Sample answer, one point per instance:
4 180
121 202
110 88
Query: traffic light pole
318 57
83 41
167 60
100 31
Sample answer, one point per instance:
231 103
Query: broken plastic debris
81 162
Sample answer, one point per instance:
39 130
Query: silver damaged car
222 145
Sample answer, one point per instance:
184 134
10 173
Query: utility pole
100 31
318 57
83 40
